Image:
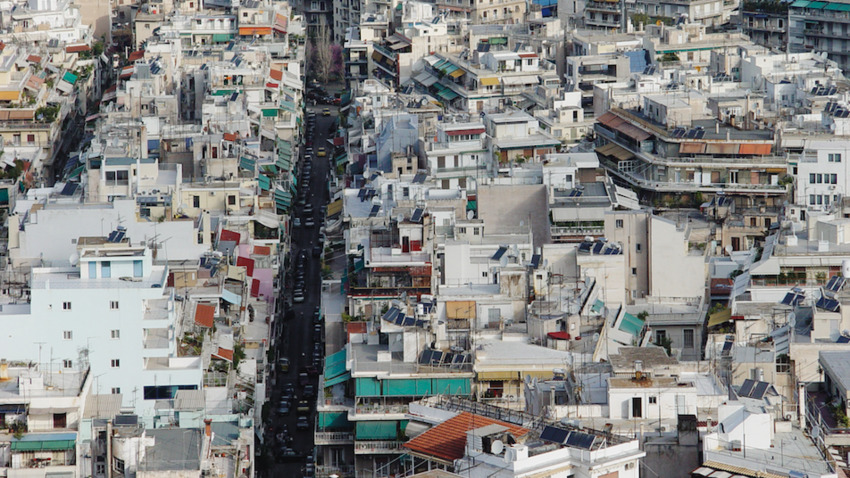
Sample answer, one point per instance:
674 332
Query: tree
336 60
320 54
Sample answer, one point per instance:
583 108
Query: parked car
303 407
302 423
326 112
284 364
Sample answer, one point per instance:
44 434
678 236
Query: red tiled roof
276 74
528 55
204 315
230 136
224 354
136 55
77 48
255 288
356 327
447 440
262 250
34 59
338 141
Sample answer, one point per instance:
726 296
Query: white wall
668 246
620 402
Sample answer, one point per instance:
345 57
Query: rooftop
447 441
173 449
649 357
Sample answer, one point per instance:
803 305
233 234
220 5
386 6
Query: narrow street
290 446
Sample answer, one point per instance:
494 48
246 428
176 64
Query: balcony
327 471
578 231
156 339
371 447
333 438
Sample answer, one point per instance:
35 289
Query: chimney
208 427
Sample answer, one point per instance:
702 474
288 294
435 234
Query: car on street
298 296
302 423
317 251
284 364
309 392
303 407
283 409
303 378
326 112
322 153
296 222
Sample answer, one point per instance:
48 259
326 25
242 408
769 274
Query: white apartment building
107 309
822 173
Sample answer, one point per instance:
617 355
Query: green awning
367 387
269 168
471 205
69 77
335 365
270 112
440 64
222 37
800 4
341 159
45 442
838 7
498 41
248 163
447 95
631 324
338 379
284 146
817 5
264 182
598 306
283 163
335 420
77 171
4 196
288 105
221 92
384 430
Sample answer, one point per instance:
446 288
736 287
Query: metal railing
378 446
333 438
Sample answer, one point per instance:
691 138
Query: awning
538 374
231 297
497 376
69 77
722 148
266 221
559 335
457 73
447 95
460 309
631 324
615 151
338 379
489 81
378 430
335 208
719 317
520 80
425 79
610 120
692 148
13 409
759 149
335 365
598 306
45 442
633 132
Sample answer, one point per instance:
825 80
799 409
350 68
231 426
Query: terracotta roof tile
77 48
224 354
204 315
136 55
262 250
447 440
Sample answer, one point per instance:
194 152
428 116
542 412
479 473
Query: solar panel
420 323
111 236
700 134
727 346
553 434
409 322
420 178
426 356
746 388
436 357
691 134
374 211
793 299
391 314
124 419
361 194
120 236
759 390
398 319
584 247
535 260
835 283
448 358
580 440
828 304
69 189
501 252
814 90
832 90
459 359
597 248
234 96
417 215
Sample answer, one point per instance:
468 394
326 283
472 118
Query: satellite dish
470 214
497 448
74 259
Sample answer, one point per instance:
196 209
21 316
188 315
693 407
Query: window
118 465
618 223
811 178
637 247
231 200
115 363
461 230
834 157
115 334
833 179
99 468
106 269
811 199
67 335
116 390
653 400
475 231
67 364
113 305
634 271
137 268
660 336
196 201
689 338
66 306
484 274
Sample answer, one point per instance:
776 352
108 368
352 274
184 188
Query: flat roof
838 363
173 449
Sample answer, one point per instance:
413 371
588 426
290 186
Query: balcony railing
577 231
327 471
333 438
368 447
